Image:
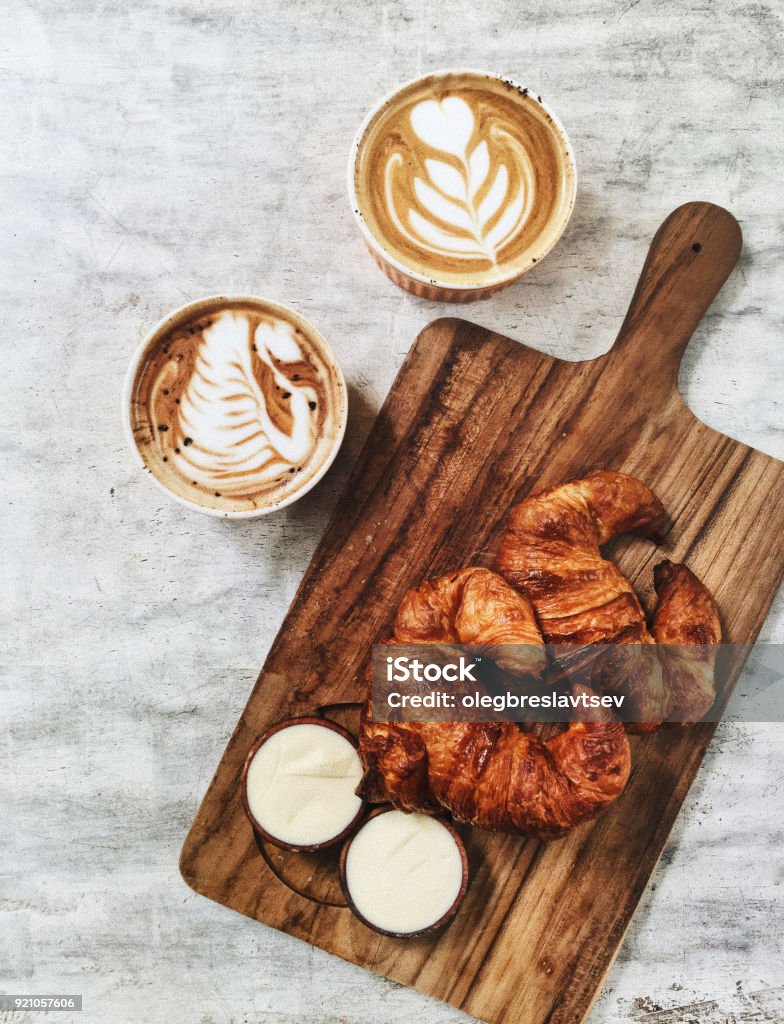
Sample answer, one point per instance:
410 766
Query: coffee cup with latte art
235 405
461 181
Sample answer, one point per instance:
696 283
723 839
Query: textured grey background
155 152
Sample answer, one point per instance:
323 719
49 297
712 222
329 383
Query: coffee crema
237 406
463 178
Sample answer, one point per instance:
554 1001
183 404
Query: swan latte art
237 406
461 181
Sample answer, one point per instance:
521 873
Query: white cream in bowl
299 784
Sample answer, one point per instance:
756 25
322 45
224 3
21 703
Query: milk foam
229 440
454 213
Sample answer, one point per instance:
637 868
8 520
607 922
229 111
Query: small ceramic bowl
343 832
444 919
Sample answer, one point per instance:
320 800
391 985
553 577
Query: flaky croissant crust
494 776
550 551
557 587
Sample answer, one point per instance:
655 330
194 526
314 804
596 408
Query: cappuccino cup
460 182
235 406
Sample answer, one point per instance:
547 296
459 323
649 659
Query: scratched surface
154 152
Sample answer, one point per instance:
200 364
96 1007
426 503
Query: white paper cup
191 311
429 287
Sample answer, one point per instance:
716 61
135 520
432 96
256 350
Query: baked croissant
496 776
687 622
550 551
493 776
474 606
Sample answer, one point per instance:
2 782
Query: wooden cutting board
473 423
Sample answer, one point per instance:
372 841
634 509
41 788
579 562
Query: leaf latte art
238 408
463 179
471 206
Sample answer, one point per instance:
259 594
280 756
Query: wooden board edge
632 907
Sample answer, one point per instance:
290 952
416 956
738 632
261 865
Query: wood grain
473 423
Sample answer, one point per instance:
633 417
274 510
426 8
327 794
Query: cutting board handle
690 258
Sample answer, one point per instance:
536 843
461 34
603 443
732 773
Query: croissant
474 606
559 589
687 622
550 551
493 776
